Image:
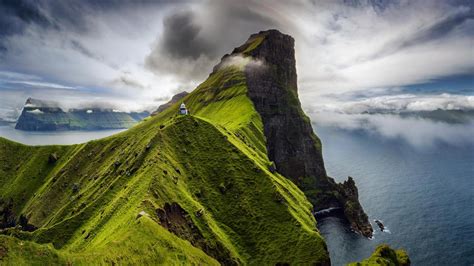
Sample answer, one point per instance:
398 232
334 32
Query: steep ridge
290 139
173 189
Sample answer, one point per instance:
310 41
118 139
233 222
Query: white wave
325 211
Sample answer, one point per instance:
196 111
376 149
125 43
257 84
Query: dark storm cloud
181 37
193 39
16 15
71 14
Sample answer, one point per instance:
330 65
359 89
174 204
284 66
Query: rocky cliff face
290 139
291 143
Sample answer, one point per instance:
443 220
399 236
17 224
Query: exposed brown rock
3 252
177 221
53 157
7 216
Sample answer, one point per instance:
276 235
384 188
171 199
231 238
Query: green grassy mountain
385 256
39 115
214 187
173 189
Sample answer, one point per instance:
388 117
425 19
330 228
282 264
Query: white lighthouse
183 110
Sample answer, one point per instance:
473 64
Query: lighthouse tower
183 110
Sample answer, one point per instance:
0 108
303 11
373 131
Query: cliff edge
290 140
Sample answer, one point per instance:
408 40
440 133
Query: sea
423 196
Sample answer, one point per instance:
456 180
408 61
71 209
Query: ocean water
53 137
424 196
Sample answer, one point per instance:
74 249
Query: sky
136 54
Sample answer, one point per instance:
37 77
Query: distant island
39 115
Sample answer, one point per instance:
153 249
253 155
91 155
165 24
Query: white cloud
36 111
241 62
43 84
9 75
420 133
342 48
393 114
395 103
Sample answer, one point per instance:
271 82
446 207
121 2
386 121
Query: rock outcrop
384 255
7 216
349 198
176 220
290 139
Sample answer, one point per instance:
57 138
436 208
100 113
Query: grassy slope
386 256
213 163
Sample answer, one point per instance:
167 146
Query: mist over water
423 194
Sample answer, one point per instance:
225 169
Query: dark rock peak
290 139
278 50
291 142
